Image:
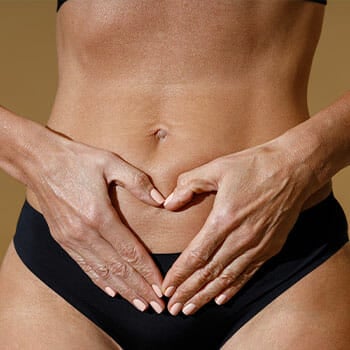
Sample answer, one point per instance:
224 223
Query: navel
161 134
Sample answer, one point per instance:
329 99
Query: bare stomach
167 133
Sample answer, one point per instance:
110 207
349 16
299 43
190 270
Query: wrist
322 142
29 146
40 149
304 154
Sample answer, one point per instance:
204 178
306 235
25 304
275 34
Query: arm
260 193
17 143
71 181
323 141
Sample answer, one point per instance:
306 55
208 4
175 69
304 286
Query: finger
198 180
130 249
231 280
219 223
144 275
108 288
227 294
226 277
134 180
114 275
243 239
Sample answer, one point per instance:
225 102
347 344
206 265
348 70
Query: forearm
322 142
21 141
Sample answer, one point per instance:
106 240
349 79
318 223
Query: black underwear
319 232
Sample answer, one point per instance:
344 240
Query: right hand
71 181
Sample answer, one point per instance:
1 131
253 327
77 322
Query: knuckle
89 270
70 231
77 234
228 215
102 271
208 273
215 222
245 275
238 284
104 222
263 252
94 218
146 271
126 292
67 243
140 179
104 158
244 278
144 290
183 293
106 271
226 279
224 217
130 253
81 237
85 266
177 274
249 240
77 227
196 258
203 299
81 261
182 180
119 269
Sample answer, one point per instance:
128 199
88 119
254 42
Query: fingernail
157 290
157 196
139 304
169 291
156 307
220 299
175 309
188 309
110 292
169 198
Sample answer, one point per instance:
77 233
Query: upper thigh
312 314
32 316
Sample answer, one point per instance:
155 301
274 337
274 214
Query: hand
260 193
72 182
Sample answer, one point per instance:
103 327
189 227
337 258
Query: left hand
260 193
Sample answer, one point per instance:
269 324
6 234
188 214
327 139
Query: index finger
217 226
131 249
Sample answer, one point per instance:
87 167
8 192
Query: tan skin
166 95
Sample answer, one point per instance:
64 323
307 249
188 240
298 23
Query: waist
144 122
165 135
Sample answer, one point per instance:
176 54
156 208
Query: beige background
28 79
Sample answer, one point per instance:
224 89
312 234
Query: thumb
199 180
133 180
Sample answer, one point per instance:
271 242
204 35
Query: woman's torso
215 76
